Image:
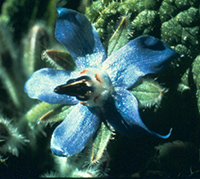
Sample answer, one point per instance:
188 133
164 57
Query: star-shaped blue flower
99 88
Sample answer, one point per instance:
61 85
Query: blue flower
99 86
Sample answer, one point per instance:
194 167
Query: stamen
76 87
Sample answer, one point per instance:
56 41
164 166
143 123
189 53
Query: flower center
92 87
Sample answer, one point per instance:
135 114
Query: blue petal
41 85
139 57
79 37
73 134
122 113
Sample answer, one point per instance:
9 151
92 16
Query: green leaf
148 93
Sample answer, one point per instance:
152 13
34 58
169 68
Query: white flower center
92 87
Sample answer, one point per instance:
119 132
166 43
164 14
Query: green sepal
104 134
119 38
57 114
61 58
47 112
148 93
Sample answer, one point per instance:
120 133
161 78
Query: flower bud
10 139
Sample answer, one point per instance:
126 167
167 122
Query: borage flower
99 88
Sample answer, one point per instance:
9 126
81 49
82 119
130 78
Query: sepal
100 143
59 58
119 38
148 92
46 112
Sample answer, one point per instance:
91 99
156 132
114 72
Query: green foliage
22 14
117 21
196 77
174 21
